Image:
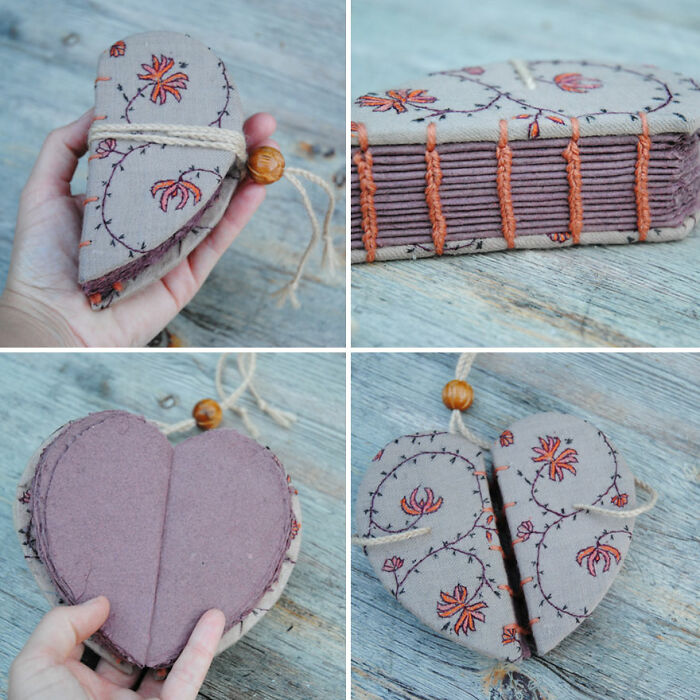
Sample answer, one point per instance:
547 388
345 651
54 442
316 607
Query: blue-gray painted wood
592 296
298 649
286 58
640 642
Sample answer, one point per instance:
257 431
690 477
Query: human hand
42 304
49 665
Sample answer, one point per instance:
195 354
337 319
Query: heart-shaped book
107 506
538 154
501 585
149 204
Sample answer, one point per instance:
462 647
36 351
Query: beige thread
634 512
174 135
388 539
246 366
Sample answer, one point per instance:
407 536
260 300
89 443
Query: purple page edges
539 185
166 533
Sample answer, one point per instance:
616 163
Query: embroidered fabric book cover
148 205
539 154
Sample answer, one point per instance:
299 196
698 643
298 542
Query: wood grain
641 641
298 649
591 296
286 58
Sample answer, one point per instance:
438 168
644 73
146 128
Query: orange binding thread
479 473
533 621
89 199
97 118
498 549
118 287
508 505
100 78
363 161
84 244
500 469
525 580
433 179
506 587
573 174
641 175
504 158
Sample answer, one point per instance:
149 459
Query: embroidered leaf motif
575 82
395 99
175 188
598 553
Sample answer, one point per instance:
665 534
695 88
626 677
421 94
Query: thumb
62 629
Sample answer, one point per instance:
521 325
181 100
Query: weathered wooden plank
616 295
288 59
298 650
641 641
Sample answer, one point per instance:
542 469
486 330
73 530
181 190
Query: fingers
189 671
58 158
65 627
115 676
258 127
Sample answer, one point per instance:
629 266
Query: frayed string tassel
330 261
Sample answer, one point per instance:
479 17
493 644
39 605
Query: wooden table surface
592 296
641 641
298 649
286 58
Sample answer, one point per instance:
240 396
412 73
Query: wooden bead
457 394
265 165
207 414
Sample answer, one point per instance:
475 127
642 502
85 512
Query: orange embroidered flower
620 500
557 463
597 553
506 438
176 188
510 634
393 564
162 85
395 99
575 82
105 147
425 505
295 527
559 237
117 49
456 604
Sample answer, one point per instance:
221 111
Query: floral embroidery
176 188
295 527
105 147
506 438
162 85
473 70
525 529
597 553
557 463
559 237
118 48
425 505
25 497
393 564
510 634
378 456
620 500
457 603
395 99
575 82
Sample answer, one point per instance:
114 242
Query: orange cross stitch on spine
433 179
504 157
364 162
641 175
573 175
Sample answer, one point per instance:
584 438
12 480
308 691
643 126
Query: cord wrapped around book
167 152
537 154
